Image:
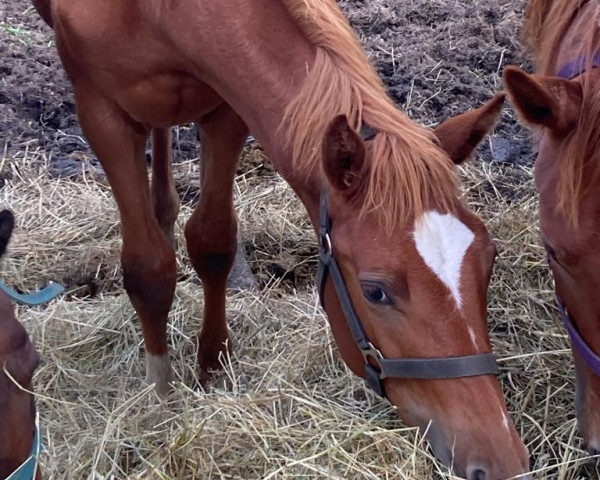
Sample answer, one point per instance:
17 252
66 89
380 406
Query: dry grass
286 407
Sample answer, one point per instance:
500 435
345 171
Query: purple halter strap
577 66
591 358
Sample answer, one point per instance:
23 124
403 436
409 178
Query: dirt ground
438 58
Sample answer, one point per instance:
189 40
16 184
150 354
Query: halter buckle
326 244
371 352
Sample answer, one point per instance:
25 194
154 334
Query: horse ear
343 155
460 135
551 102
7 222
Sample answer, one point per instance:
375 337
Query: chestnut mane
546 23
407 171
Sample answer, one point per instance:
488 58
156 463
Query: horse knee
212 251
149 280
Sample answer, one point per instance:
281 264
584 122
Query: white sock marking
158 371
443 240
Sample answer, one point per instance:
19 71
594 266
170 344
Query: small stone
502 149
241 277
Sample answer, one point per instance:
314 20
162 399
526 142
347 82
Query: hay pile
287 407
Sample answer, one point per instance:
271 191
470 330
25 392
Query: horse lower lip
436 440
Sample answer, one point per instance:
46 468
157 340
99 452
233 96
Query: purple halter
576 67
591 358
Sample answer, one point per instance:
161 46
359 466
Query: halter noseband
377 367
50 291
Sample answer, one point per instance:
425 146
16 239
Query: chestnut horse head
562 103
405 265
18 361
410 289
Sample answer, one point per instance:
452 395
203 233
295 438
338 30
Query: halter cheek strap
377 367
591 358
29 467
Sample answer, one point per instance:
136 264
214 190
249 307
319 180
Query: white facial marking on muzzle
443 240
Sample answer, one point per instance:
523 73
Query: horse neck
258 66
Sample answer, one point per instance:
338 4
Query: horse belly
167 100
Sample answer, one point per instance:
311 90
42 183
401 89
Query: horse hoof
212 355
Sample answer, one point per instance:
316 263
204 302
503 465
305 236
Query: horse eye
375 294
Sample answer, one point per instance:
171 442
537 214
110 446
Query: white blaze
443 240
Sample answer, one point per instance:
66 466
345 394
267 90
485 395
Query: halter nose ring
377 367
326 243
373 353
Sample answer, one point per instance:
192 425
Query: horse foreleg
165 199
211 230
148 260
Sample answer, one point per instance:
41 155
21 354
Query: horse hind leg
211 230
165 199
148 260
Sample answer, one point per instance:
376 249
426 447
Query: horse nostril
592 450
593 447
478 474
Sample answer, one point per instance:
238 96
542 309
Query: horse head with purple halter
561 101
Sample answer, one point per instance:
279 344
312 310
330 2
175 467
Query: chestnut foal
405 265
562 102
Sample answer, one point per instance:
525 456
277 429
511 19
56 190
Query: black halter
377 367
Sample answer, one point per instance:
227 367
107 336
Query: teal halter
29 467
40 297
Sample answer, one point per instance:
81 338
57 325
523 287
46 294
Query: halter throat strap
591 358
377 367
578 66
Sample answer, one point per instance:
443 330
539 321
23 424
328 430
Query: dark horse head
18 361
